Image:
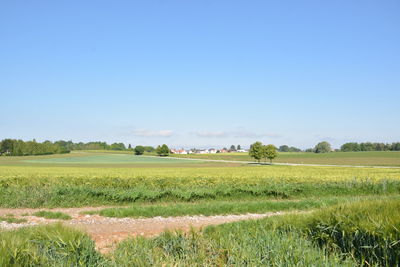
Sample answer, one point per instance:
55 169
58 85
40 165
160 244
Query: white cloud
211 134
148 133
236 134
272 135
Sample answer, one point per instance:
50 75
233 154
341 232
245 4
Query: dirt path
107 232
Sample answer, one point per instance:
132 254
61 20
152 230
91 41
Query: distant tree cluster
162 150
259 151
139 150
13 147
285 148
98 145
95 146
368 146
323 147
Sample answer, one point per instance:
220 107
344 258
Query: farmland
371 158
126 186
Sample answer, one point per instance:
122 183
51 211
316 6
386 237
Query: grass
208 208
329 237
370 158
104 159
212 208
361 233
10 219
111 159
34 186
52 215
51 245
367 230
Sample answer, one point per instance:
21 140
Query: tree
7 146
270 152
294 149
256 151
323 147
162 150
129 147
239 147
350 147
284 148
366 146
233 148
117 146
139 150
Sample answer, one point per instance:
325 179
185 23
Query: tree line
99 145
368 146
14 147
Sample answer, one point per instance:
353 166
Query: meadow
43 186
349 216
371 158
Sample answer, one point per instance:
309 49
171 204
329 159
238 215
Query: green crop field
353 219
103 159
372 158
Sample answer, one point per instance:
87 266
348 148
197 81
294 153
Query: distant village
205 151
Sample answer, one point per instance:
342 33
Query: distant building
179 151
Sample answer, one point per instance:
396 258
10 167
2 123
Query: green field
122 159
372 158
359 203
109 159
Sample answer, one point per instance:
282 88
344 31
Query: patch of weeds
11 219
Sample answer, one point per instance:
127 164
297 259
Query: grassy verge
214 208
116 192
52 215
208 208
11 219
51 245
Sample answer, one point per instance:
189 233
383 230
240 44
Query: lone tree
233 148
239 147
139 150
162 150
270 152
323 147
256 151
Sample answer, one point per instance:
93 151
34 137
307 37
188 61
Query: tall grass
368 230
252 246
208 208
52 245
70 192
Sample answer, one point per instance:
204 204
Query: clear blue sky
200 73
